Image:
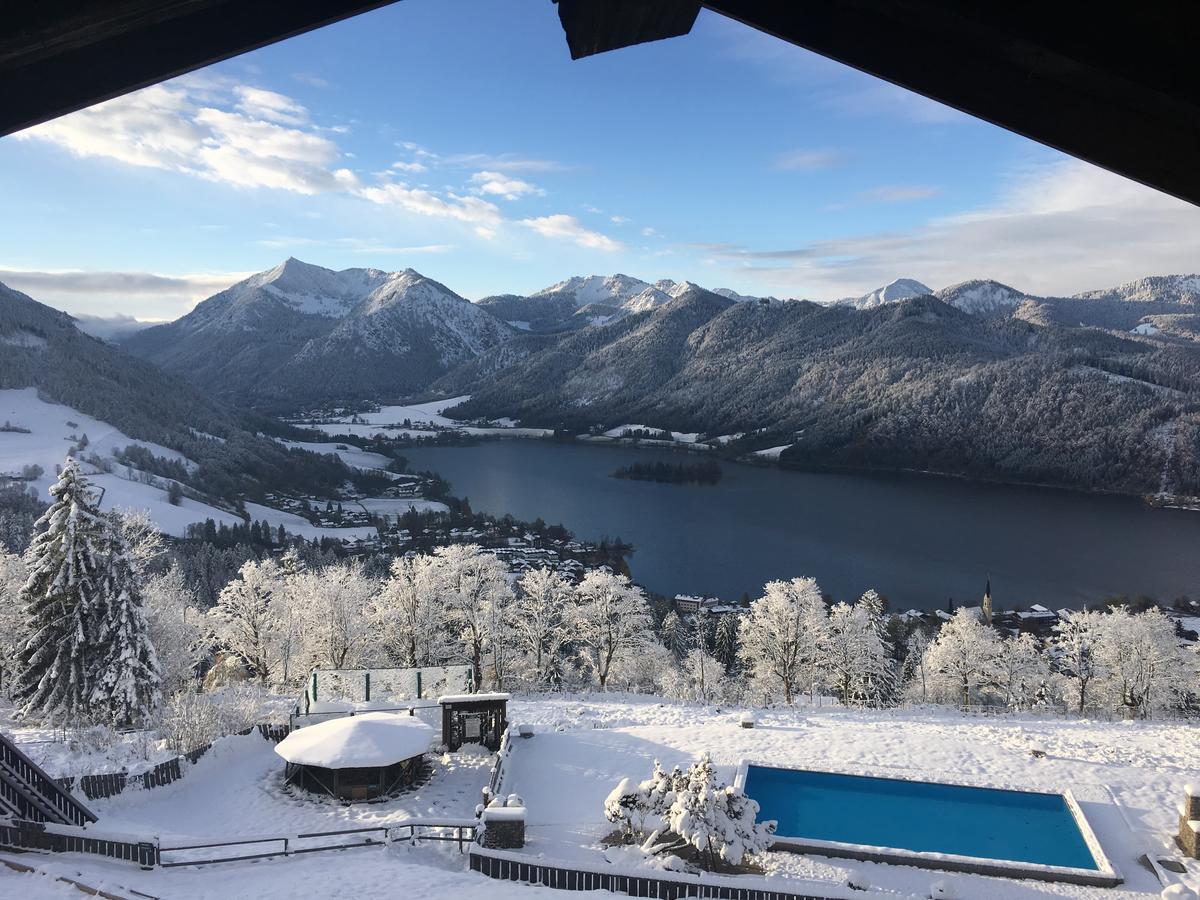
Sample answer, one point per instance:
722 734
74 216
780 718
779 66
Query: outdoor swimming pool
941 825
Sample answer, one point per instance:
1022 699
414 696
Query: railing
149 853
299 719
31 793
460 831
25 835
509 866
502 754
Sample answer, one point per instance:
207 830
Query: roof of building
369 740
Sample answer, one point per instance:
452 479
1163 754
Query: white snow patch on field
172 520
299 525
349 454
417 414
395 506
367 431
51 437
772 452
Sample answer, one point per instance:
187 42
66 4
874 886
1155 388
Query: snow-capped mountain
893 292
608 290
982 297
299 331
1183 289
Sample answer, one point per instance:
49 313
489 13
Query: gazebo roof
363 741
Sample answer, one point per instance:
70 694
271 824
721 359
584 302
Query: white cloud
1060 229
402 166
175 127
568 228
473 210
310 79
650 232
145 295
808 160
502 186
259 103
404 251
504 162
899 193
618 220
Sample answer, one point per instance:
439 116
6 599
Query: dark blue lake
917 540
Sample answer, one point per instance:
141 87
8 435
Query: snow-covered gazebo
357 757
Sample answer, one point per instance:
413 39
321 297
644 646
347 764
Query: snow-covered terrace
1128 776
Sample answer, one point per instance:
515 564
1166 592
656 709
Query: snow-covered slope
982 298
893 292
300 333
609 290
308 289
1156 288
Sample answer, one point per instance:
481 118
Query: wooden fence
109 784
510 867
22 835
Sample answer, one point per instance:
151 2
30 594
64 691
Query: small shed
473 719
357 757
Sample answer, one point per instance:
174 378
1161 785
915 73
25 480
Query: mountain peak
893 292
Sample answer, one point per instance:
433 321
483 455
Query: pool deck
1104 875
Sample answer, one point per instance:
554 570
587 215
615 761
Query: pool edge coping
1106 874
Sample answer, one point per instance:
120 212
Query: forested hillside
917 384
40 347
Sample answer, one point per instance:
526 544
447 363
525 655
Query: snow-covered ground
388 421
393 506
351 456
120 493
1128 776
54 430
1121 772
772 452
299 525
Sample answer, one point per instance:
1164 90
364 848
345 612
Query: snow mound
365 741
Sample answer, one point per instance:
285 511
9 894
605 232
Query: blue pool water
916 815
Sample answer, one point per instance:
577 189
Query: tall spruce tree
62 603
127 687
87 653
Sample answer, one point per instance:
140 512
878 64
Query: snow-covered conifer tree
12 616
961 661
63 603
87 652
719 821
539 618
674 634
727 647
127 686
782 637
612 620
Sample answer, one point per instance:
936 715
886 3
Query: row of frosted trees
87 632
793 643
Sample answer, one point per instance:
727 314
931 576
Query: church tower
987 602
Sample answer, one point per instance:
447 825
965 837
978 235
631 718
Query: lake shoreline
918 537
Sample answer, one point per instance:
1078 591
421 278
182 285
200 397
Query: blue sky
459 139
